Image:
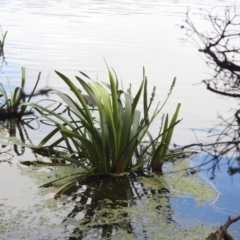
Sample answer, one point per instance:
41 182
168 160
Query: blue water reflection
217 211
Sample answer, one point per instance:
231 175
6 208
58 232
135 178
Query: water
226 203
77 36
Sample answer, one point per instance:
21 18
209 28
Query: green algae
181 184
24 223
147 219
132 210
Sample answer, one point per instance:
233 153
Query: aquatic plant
160 145
12 106
160 152
2 40
108 140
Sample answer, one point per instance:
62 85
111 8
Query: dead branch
218 41
222 233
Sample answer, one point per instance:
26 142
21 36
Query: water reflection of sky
215 212
76 35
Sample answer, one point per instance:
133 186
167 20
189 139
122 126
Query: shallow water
113 208
76 36
225 204
122 203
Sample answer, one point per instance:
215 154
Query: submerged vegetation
124 207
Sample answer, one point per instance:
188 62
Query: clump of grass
12 100
109 140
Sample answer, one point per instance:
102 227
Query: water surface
77 36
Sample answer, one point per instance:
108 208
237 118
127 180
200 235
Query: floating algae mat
126 207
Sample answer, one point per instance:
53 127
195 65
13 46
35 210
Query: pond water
77 36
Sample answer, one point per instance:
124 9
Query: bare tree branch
222 233
219 42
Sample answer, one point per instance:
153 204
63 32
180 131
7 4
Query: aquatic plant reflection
18 130
108 207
